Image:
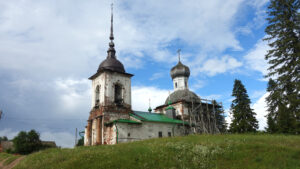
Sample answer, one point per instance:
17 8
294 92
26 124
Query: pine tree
274 105
243 116
283 35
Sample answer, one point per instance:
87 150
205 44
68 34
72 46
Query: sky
49 48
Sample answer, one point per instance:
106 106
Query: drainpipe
117 132
173 130
102 130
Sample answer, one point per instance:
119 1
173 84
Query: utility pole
1 112
75 137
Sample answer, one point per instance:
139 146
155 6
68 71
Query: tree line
283 100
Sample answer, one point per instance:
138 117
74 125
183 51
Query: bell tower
111 95
180 75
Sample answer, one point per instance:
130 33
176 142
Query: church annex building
112 120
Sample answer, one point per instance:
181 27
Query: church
112 120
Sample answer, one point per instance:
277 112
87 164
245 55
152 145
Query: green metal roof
154 117
124 121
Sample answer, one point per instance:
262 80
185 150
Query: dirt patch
12 164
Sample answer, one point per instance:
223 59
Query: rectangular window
169 134
128 134
159 134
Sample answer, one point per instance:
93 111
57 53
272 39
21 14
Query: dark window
185 84
169 134
160 134
97 94
128 134
118 94
176 85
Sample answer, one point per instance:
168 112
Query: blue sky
49 48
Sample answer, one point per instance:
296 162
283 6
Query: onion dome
111 62
182 95
180 70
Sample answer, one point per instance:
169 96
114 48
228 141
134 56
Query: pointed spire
111 24
111 51
178 51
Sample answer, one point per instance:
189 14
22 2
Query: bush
80 142
26 143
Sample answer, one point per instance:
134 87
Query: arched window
97 95
118 94
175 84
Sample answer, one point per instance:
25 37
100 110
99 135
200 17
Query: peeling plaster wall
180 107
100 80
110 135
106 82
147 130
94 132
85 137
113 78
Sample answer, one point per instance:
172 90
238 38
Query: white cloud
212 97
73 35
261 111
74 94
228 117
197 84
157 75
142 94
255 58
257 94
222 65
8 132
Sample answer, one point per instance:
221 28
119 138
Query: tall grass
195 151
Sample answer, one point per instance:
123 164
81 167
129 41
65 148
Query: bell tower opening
97 96
118 94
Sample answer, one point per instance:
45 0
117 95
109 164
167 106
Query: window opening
118 94
169 134
160 134
97 95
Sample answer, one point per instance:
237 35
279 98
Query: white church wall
132 132
85 137
117 78
100 80
182 83
106 82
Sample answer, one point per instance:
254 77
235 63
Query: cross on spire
111 50
111 24
178 51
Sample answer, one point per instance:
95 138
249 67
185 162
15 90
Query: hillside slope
195 151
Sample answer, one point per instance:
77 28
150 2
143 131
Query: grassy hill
195 151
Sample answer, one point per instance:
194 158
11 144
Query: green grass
10 159
195 151
3 156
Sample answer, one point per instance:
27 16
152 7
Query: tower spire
111 50
111 24
178 51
